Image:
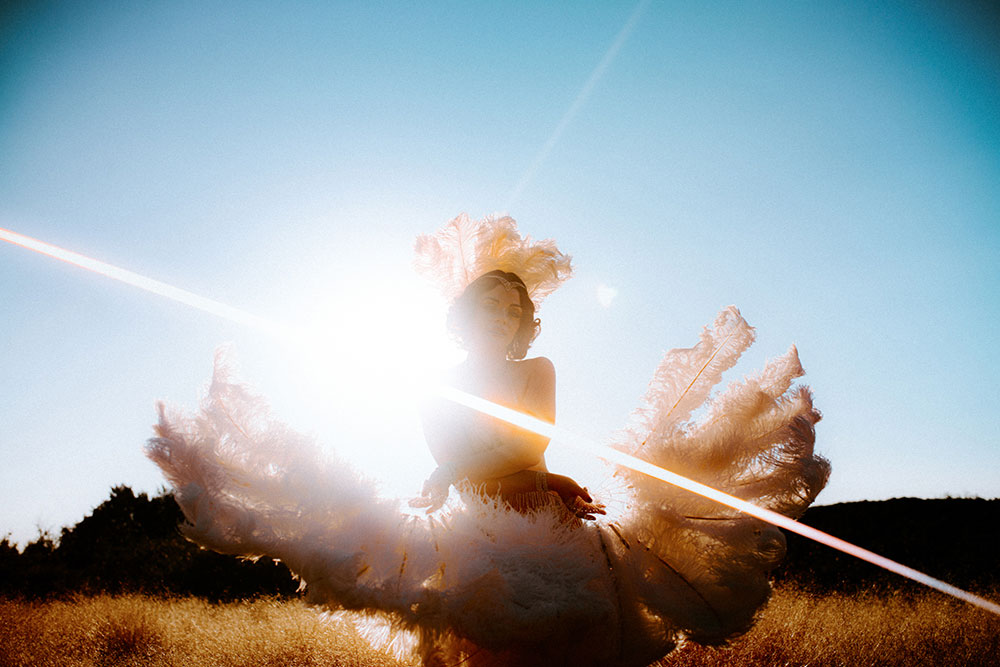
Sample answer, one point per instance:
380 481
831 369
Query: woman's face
496 319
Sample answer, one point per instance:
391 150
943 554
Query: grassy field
795 629
869 629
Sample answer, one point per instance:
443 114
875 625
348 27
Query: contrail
581 97
514 417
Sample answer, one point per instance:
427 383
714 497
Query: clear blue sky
833 169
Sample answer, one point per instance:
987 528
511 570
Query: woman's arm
574 496
539 401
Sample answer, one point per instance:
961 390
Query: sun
366 354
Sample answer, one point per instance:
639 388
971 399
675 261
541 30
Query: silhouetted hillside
953 539
131 543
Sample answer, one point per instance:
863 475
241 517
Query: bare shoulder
538 394
537 368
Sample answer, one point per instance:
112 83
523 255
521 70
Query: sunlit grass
137 630
796 628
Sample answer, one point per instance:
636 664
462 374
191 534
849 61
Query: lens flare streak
142 282
578 102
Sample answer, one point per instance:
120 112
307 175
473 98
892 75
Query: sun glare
366 354
361 360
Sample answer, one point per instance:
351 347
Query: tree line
132 543
952 539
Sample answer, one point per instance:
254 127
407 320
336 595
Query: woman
494 320
487 586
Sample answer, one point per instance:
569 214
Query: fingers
586 509
432 504
432 497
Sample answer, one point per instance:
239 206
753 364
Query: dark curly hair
460 313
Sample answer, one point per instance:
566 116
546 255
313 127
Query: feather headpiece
465 249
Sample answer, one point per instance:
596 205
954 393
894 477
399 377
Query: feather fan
685 377
754 440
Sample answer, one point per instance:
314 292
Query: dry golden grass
136 630
798 628
795 629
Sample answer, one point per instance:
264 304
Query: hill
131 543
953 539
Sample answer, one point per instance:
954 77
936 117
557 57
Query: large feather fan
754 440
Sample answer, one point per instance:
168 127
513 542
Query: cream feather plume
684 378
754 440
465 249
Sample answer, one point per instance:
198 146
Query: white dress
480 584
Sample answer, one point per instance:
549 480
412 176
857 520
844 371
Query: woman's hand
435 491
575 497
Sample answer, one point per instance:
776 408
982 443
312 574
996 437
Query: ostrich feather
448 256
686 376
754 440
465 249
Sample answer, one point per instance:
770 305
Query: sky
832 169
